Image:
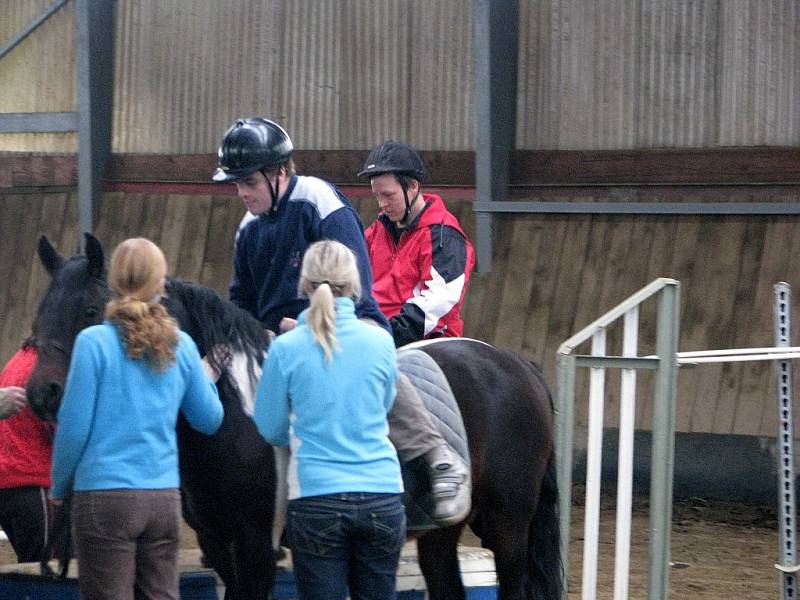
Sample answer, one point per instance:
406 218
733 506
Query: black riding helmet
251 145
397 158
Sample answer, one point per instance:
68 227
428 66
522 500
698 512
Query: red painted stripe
217 189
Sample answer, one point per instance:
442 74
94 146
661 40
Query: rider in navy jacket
270 249
291 213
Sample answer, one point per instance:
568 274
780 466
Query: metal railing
662 460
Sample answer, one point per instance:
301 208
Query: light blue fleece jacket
333 415
116 424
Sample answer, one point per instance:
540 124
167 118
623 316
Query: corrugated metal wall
648 73
38 75
344 74
336 74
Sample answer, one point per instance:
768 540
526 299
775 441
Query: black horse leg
438 561
254 562
218 556
508 539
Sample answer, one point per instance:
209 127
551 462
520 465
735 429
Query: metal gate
665 363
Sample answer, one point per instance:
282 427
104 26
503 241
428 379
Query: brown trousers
411 427
127 543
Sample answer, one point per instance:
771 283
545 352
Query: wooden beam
530 170
32 170
743 165
337 166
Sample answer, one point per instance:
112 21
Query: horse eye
92 312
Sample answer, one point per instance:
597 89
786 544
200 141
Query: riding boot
450 486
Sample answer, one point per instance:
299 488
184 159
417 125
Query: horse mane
210 320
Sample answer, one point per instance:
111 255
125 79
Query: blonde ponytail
329 271
322 319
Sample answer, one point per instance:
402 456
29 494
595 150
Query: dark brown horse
505 404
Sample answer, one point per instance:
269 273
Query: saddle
434 390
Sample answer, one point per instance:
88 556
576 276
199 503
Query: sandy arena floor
723 550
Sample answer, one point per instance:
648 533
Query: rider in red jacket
421 262
421 258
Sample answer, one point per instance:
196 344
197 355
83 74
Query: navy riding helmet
401 160
394 157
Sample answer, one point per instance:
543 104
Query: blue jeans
346 540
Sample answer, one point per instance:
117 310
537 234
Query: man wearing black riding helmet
290 213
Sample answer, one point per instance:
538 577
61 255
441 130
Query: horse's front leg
217 555
438 561
254 562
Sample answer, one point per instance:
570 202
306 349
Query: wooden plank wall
552 276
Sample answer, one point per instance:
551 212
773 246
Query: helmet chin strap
407 214
273 191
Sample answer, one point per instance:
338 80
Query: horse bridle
52 344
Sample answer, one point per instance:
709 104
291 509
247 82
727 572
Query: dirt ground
721 550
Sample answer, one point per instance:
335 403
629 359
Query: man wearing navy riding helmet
420 256
421 262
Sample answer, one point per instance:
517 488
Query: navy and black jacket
270 248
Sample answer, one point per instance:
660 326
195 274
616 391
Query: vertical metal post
94 25
594 456
663 457
484 232
496 105
627 415
564 434
785 444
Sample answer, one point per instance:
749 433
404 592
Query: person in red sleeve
26 444
421 258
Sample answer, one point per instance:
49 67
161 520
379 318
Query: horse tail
544 551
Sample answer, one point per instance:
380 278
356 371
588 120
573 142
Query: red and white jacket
26 441
420 280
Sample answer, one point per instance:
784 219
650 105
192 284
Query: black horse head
75 300
77 297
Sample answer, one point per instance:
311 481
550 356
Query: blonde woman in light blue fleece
325 390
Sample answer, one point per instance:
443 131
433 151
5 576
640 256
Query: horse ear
49 256
94 252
